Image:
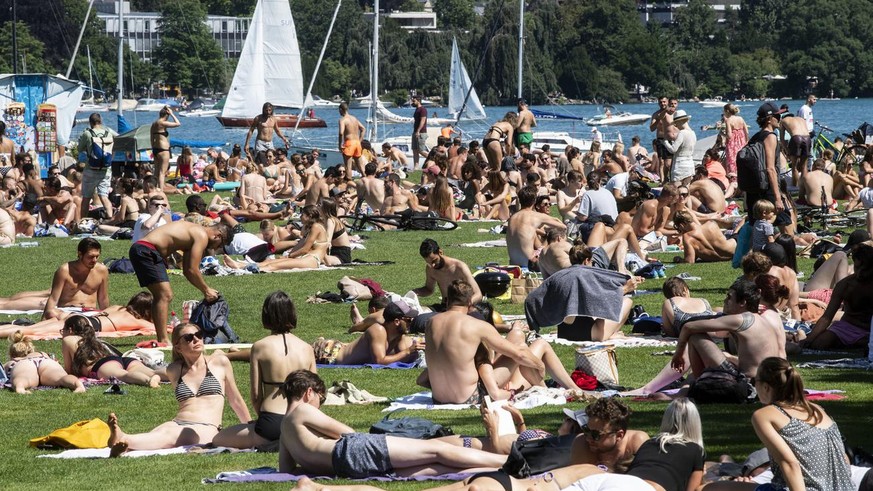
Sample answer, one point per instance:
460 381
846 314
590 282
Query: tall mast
90 75
120 57
374 68
79 41
14 36
520 44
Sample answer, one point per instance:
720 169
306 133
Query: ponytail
787 386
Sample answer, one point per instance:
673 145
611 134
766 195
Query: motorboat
617 119
366 101
558 141
712 103
316 101
154 105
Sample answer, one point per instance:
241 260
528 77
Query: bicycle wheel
858 218
431 223
360 223
853 154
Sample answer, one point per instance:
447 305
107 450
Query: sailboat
269 70
90 105
468 108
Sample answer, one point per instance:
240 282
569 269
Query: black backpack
212 320
533 457
752 165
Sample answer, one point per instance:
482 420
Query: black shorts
148 264
660 150
579 330
269 425
343 253
799 146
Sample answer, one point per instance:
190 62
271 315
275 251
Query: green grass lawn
726 428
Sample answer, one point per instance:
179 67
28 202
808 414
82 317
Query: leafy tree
454 14
31 51
188 54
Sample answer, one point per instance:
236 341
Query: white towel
629 342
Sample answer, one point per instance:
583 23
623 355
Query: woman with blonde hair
736 134
201 385
441 199
501 134
310 251
28 368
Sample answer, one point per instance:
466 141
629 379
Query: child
828 156
763 232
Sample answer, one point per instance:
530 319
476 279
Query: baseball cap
856 238
756 459
397 310
580 417
769 109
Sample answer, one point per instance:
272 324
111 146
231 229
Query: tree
31 51
454 14
188 54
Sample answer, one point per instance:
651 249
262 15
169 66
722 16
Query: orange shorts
352 148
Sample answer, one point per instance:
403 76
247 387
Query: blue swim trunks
360 455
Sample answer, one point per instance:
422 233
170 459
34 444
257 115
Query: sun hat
680 117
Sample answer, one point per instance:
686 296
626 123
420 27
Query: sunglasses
684 195
595 435
189 338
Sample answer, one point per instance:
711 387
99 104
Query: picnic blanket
20 244
397 365
271 474
34 312
533 397
224 346
585 291
628 342
851 363
101 334
103 453
486 243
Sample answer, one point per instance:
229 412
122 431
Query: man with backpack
757 174
95 148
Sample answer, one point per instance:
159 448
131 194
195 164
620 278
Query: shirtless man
451 341
351 132
702 242
814 182
654 214
526 121
265 124
756 336
660 123
555 256
605 439
524 226
398 198
371 190
394 157
383 343
798 147
80 283
321 187
707 196
457 162
148 257
57 204
375 307
316 444
442 270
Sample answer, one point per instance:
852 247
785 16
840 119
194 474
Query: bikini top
338 232
210 386
278 384
498 130
680 317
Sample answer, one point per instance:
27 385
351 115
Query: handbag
531 457
84 434
599 361
521 287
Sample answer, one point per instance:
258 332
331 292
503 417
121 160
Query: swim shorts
660 150
148 264
343 253
361 455
326 350
269 425
352 148
799 146
524 138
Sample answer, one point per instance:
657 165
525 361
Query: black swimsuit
487 141
503 478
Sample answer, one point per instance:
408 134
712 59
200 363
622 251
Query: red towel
583 380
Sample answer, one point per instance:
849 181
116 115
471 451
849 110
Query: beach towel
850 363
583 290
103 453
397 365
271 474
101 334
35 312
628 342
485 243
533 397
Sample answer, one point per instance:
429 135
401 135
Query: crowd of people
615 208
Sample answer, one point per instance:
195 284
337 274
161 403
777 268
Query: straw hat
680 117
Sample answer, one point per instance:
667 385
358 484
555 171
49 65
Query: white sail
269 67
459 85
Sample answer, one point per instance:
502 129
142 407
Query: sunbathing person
28 368
309 253
702 243
853 294
381 344
80 283
25 301
86 356
135 316
271 358
605 439
200 413
555 256
314 443
679 307
340 243
441 270
375 307
452 340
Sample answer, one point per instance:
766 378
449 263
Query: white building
664 12
141 29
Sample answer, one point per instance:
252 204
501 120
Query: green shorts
524 138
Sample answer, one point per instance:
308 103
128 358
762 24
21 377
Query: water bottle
174 321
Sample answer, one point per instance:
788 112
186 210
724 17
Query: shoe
636 312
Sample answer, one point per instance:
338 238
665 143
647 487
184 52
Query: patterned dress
737 141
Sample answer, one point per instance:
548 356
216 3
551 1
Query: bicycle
361 222
852 151
821 216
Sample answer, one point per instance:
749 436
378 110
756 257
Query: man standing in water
350 132
419 131
265 124
526 121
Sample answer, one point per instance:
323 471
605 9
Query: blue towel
397 365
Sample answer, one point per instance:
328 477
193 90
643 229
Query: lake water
841 116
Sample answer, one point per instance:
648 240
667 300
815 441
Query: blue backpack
100 157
